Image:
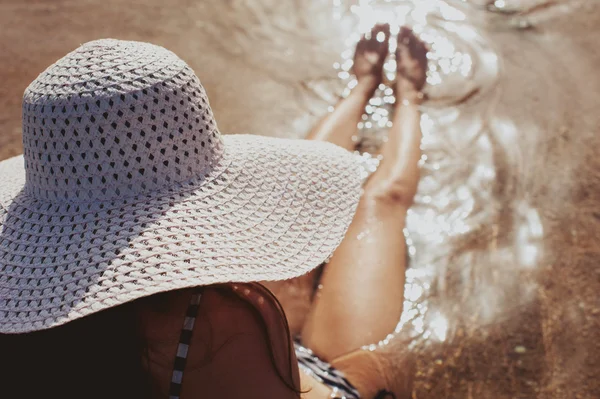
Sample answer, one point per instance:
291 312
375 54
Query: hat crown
116 119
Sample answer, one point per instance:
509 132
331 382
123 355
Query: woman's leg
337 127
362 295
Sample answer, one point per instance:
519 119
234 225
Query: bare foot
411 59
370 55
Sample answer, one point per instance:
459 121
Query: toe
360 46
404 35
380 36
381 28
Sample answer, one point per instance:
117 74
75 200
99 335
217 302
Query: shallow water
501 297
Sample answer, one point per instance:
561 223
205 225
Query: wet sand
518 321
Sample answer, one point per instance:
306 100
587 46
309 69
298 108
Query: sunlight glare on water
458 170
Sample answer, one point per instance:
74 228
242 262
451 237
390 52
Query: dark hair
97 357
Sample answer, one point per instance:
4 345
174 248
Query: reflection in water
512 6
515 14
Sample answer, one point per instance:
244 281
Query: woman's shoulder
250 304
242 346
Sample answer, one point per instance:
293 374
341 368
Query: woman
130 239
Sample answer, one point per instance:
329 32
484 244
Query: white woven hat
126 188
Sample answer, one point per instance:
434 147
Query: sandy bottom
504 301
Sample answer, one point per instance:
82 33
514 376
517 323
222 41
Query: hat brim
272 209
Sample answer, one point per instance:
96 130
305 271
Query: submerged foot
371 52
411 60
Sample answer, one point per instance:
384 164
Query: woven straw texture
126 188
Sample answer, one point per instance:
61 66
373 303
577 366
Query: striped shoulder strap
183 347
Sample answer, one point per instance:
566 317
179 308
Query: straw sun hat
126 188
